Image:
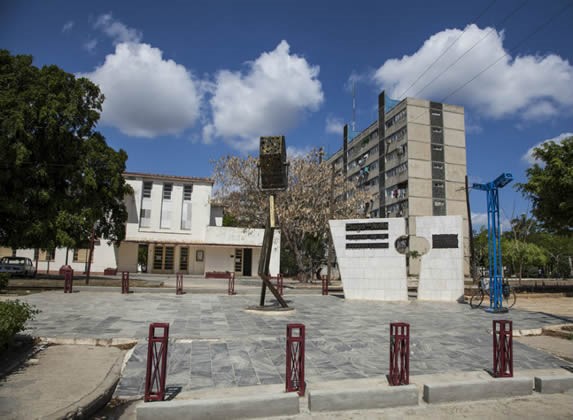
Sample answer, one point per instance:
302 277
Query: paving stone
227 346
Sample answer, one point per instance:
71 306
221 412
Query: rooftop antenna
353 107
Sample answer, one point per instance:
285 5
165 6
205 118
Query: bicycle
508 294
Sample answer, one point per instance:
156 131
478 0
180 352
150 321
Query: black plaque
367 226
358 237
367 245
445 241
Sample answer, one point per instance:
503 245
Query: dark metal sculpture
273 171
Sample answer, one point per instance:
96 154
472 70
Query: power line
511 49
401 96
513 12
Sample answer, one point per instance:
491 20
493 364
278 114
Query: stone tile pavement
216 342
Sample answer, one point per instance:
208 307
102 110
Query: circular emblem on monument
401 244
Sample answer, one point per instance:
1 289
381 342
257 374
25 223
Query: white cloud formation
334 125
537 86
90 45
479 220
267 99
146 95
528 156
68 26
298 152
117 30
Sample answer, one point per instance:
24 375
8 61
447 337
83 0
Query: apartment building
172 227
412 161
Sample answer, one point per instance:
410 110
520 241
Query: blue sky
188 82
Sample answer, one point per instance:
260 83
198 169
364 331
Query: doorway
247 262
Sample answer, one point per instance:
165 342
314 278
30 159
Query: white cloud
528 156
117 30
90 45
334 125
268 98
298 152
146 95
68 26
537 86
480 219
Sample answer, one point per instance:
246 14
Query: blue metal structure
494 240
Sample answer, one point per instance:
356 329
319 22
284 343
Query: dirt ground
555 305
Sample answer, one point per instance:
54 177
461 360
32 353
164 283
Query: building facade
172 227
412 161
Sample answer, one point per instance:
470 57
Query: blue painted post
494 240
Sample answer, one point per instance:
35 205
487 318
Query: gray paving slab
217 343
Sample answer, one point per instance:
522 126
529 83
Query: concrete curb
480 389
371 397
553 384
266 405
101 342
93 401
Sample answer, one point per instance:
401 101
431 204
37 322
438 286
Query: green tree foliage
550 186
58 177
13 317
521 254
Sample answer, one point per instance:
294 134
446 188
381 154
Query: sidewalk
60 381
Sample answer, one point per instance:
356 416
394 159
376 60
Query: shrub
13 317
4 277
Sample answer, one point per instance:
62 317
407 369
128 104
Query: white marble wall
442 270
371 273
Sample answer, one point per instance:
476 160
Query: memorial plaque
445 241
367 226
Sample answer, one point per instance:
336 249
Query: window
163 258
81 255
145 213
147 189
183 259
166 207
48 255
167 188
238 260
187 190
439 208
186 208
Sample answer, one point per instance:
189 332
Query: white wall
441 270
371 273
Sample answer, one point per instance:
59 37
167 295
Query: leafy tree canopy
58 177
550 186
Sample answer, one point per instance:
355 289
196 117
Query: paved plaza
216 342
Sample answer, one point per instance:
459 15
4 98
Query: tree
58 177
522 254
303 210
550 185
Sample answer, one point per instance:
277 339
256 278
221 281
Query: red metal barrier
231 286
68 280
399 354
295 359
502 348
324 285
156 362
179 284
124 282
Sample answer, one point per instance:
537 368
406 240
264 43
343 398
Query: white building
171 227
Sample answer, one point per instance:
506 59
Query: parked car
17 266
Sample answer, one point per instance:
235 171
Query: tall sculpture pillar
273 171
